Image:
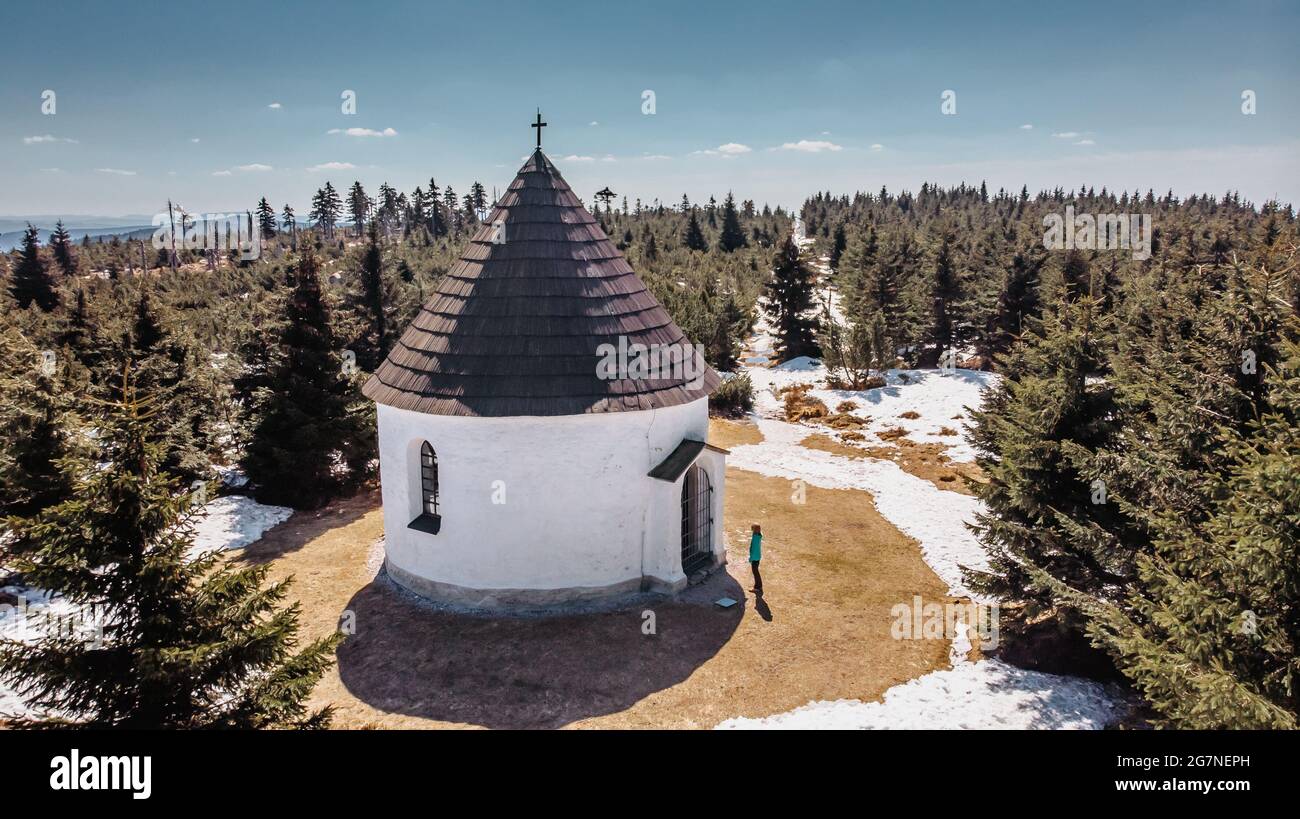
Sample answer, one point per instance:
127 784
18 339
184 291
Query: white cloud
656 157
52 170
194 139
252 168
826 133
593 123
576 158
364 132
1066 135
275 105
115 171
1085 142
728 149
811 146
332 166
36 140
876 146
1028 126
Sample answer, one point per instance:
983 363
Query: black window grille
697 520
428 479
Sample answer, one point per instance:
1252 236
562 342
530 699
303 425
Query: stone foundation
521 599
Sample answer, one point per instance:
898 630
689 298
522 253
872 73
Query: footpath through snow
983 694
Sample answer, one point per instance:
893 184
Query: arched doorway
697 520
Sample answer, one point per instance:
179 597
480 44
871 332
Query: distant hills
131 226
11 231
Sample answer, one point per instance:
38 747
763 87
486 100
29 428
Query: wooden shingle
515 328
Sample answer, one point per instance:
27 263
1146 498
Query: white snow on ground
935 517
974 695
985 695
231 476
27 615
938 397
760 344
231 522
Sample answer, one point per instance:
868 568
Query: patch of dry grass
925 461
728 433
799 405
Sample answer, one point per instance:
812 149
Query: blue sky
158 100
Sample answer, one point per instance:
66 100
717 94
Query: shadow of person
760 606
413 658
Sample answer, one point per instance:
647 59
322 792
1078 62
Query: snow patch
233 522
934 517
970 696
801 364
939 398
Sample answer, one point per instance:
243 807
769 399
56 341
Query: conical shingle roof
515 328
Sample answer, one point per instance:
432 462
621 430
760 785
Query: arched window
697 520
428 479
430 519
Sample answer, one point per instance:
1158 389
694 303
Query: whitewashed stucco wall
579 509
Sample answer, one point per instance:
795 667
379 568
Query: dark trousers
758 578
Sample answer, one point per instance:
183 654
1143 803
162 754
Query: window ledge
427 523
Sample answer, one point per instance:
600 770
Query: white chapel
523 464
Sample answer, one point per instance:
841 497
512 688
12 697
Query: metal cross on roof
539 125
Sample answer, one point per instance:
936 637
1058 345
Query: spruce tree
30 282
358 207
1017 303
839 242
61 245
789 300
175 642
1047 523
437 225
325 209
478 196
312 432
694 234
1211 636
854 272
372 304
174 368
890 279
451 204
289 222
732 236
37 427
946 298
266 219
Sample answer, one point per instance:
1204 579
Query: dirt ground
832 570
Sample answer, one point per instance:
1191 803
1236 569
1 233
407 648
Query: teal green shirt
755 547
